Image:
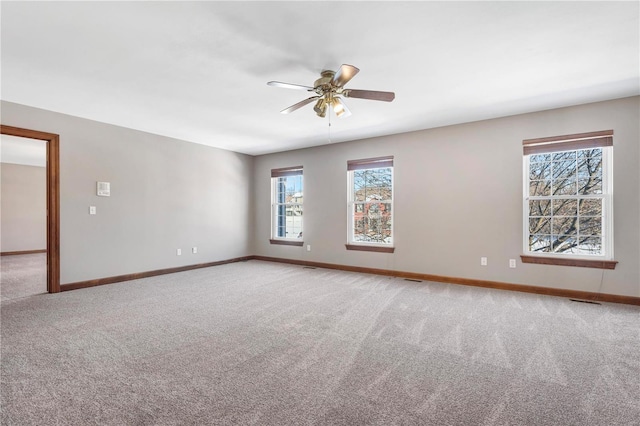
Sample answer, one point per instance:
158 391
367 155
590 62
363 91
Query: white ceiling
197 71
28 152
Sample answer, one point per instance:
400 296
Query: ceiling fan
329 89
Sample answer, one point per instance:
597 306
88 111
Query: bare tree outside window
566 202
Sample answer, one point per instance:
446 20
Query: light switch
92 209
103 189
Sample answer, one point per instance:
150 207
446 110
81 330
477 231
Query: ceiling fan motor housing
324 82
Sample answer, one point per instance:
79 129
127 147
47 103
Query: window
370 204
286 206
567 198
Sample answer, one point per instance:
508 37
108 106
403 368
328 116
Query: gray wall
23 223
458 196
165 194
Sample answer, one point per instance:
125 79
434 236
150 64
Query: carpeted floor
23 275
271 344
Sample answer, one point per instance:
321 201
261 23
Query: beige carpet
23 275
270 344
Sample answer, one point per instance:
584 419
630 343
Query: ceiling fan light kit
329 89
321 107
340 108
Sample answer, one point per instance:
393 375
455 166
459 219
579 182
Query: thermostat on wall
104 189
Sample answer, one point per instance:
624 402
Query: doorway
52 199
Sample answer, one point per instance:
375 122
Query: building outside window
370 204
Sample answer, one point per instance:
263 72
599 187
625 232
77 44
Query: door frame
53 199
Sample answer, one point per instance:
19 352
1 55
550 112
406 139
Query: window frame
276 174
572 143
368 164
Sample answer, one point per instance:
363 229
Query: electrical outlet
194 250
308 247
483 261
92 209
512 263
178 252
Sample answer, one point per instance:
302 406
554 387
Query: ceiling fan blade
290 86
340 108
344 74
369 94
299 105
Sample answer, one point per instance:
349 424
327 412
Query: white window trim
274 214
350 208
607 211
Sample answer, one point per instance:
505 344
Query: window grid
370 203
567 203
287 205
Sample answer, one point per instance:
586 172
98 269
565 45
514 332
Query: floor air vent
586 301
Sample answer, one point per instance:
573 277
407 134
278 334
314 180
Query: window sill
287 242
378 249
583 263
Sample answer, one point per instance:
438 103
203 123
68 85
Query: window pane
564 186
593 153
294 210
288 187
590 245
290 225
372 184
590 171
358 218
539 208
565 244
590 166
373 224
280 212
293 189
560 156
540 225
564 226
539 171
281 189
590 226
590 186
564 174
360 230
540 158
540 243
385 211
539 188
591 207
565 207
564 169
